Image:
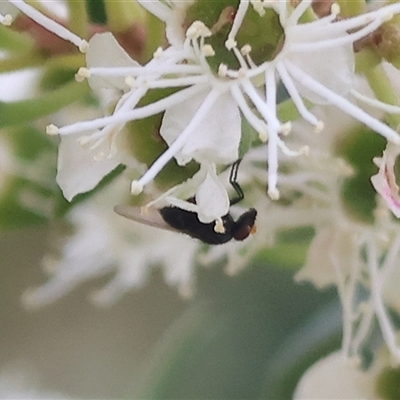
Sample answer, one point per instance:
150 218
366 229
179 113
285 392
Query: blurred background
248 336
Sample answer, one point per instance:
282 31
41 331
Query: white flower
316 62
104 242
334 377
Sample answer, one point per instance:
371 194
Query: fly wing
149 217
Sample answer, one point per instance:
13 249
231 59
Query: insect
178 220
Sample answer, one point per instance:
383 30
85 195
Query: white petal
77 171
332 67
334 377
330 249
212 198
105 51
216 140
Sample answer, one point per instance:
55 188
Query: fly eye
245 225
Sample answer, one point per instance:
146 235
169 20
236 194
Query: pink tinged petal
211 198
217 138
77 170
384 181
105 51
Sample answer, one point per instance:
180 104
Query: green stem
155 37
122 14
20 112
20 61
78 18
351 8
15 41
384 91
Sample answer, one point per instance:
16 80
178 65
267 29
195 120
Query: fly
183 221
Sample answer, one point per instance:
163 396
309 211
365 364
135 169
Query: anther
6 20
158 52
52 129
83 46
230 44
136 187
319 127
286 128
335 9
130 81
245 50
208 50
222 70
274 194
82 74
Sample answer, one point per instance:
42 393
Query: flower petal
334 377
77 170
105 51
384 181
212 198
216 140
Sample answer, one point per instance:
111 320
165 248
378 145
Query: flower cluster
281 83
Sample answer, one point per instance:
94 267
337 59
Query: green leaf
97 12
28 177
22 112
222 344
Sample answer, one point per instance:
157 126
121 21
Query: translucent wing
149 217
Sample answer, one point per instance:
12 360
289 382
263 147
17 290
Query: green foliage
25 111
358 149
96 11
234 332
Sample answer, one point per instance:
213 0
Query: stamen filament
50 25
342 103
143 112
295 96
173 149
389 108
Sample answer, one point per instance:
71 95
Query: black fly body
179 220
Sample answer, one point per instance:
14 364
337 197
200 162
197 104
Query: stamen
237 22
6 20
131 82
230 44
123 117
222 70
52 130
264 110
158 53
295 96
50 25
83 73
208 50
196 30
255 122
245 50
258 7
136 187
201 113
342 103
157 8
299 10
341 41
389 108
